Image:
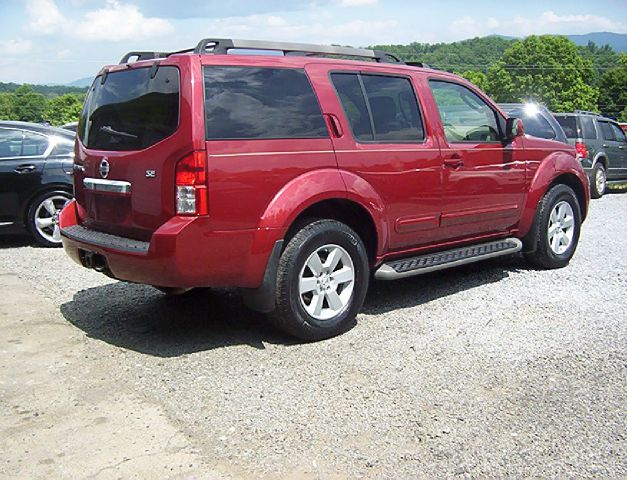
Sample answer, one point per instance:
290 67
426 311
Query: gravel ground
490 370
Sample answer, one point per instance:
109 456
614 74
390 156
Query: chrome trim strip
110 186
386 272
4 224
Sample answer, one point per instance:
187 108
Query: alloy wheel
326 282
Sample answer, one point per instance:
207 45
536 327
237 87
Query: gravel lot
490 370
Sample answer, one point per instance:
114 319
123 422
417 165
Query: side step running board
407 267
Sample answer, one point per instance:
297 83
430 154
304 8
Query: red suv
294 177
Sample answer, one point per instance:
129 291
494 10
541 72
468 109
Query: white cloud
44 16
118 22
357 3
115 22
15 47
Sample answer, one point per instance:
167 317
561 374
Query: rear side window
257 103
606 131
569 125
587 128
384 110
131 110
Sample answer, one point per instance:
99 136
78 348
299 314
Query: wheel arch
601 158
558 168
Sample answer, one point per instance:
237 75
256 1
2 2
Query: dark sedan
35 178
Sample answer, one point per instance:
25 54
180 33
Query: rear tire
321 283
43 216
598 181
553 239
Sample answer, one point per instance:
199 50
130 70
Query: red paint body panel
257 188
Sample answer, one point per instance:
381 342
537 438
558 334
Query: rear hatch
130 136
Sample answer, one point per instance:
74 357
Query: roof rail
223 45
586 112
143 56
418 64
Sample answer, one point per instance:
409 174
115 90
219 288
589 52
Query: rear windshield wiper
111 131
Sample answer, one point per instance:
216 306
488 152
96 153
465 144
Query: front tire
43 217
556 228
321 283
598 181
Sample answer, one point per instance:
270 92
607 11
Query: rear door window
606 131
587 128
380 108
569 125
534 122
260 103
10 143
34 145
619 135
132 109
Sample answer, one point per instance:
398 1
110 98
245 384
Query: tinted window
618 133
606 131
392 102
465 116
34 144
131 111
394 109
353 103
569 125
10 143
587 128
534 122
252 103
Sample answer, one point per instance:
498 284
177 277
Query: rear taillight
581 148
191 184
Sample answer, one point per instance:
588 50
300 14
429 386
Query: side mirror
513 128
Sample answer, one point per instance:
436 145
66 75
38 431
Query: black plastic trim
262 299
105 240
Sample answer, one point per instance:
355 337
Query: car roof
37 127
581 114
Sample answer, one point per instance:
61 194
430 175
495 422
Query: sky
59 41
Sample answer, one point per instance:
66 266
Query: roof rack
418 64
586 112
221 46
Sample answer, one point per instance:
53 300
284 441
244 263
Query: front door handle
454 162
25 168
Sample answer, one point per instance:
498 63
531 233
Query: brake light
582 149
191 184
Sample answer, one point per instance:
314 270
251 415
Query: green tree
480 79
547 69
64 109
613 90
29 106
7 106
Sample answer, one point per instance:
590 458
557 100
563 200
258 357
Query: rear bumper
183 252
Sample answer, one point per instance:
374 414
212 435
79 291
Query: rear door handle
454 162
25 168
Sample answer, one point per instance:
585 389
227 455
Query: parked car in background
601 145
537 120
623 126
72 126
295 177
35 178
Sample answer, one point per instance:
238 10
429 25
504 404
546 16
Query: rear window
131 110
258 103
569 125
